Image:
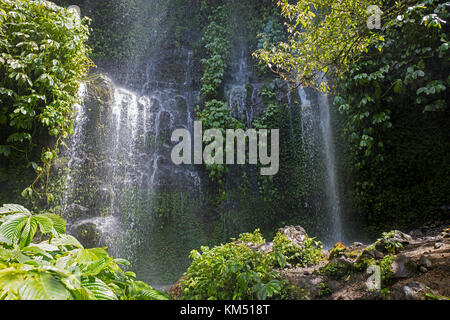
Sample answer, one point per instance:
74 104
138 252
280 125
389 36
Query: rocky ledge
398 266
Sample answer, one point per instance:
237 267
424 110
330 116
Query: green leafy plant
233 271
285 251
59 268
389 243
43 58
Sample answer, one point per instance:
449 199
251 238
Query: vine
216 114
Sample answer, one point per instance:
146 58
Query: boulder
403 267
425 262
373 253
294 233
396 237
410 291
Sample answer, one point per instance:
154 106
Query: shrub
286 251
232 271
43 58
59 268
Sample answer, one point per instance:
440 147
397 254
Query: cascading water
317 131
333 200
128 167
124 192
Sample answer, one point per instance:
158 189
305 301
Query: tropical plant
43 58
232 271
59 268
286 251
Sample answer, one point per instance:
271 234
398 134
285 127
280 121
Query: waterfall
237 89
120 164
333 200
318 144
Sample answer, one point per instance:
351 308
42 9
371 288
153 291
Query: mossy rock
88 235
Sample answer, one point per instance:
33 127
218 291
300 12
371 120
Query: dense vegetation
43 58
236 271
391 89
59 268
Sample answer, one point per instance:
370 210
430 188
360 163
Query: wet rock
403 267
88 235
374 254
75 211
338 250
346 263
411 291
357 245
438 245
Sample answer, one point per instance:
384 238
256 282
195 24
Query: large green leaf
13 208
59 224
66 240
97 289
139 290
45 223
11 229
43 286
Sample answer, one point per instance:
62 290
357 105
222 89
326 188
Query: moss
338 250
337 270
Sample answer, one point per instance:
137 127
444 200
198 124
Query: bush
286 251
59 268
43 58
233 271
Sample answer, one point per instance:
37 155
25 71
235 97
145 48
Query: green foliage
324 36
324 290
336 270
395 103
254 238
43 57
59 268
286 251
234 271
389 244
386 269
216 114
